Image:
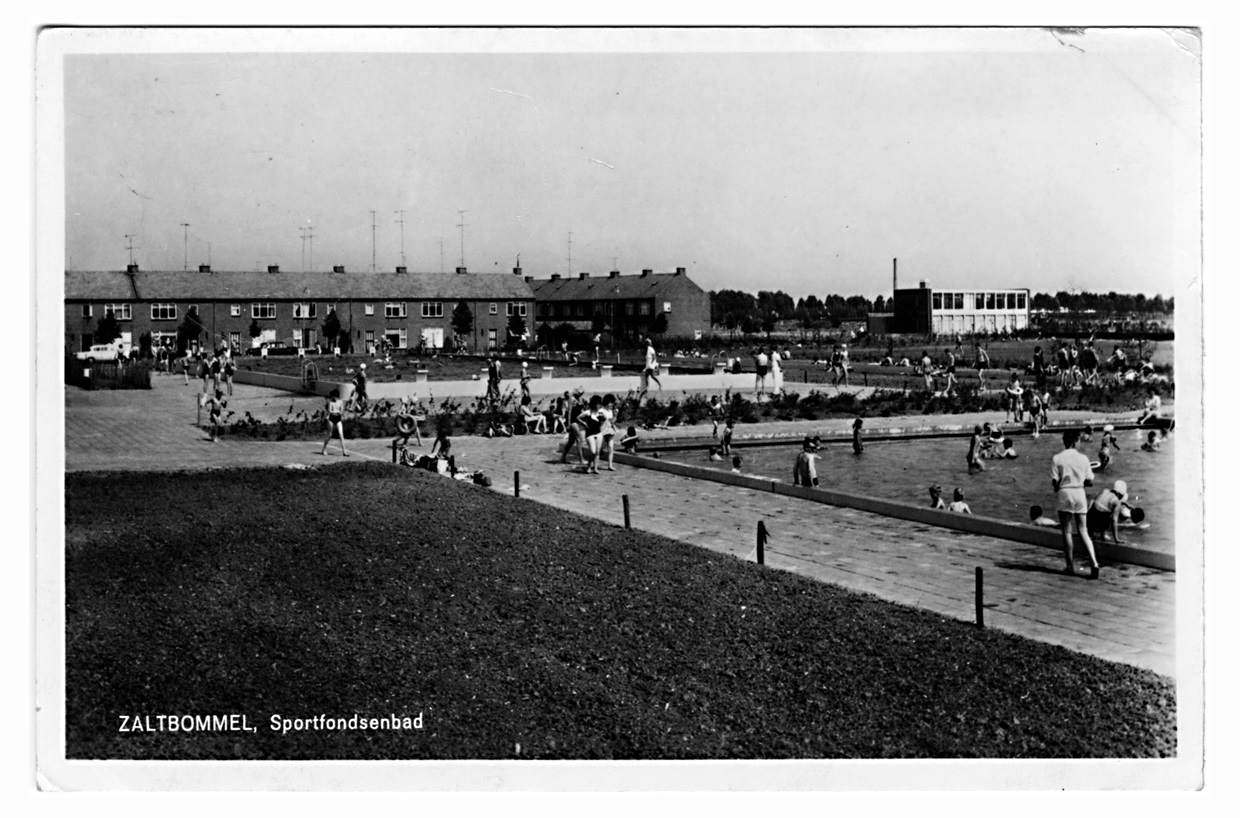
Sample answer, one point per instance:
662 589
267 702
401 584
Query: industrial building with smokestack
926 311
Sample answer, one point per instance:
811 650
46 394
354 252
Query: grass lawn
521 631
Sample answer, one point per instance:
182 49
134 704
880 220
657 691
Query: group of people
767 362
592 431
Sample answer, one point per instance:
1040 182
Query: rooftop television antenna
129 246
185 226
401 222
462 213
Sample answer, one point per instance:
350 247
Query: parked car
103 352
274 348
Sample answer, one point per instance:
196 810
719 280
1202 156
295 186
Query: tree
144 345
462 319
255 331
880 305
331 327
108 330
191 330
659 325
516 327
598 324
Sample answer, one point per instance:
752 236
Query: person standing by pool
1064 364
204 372
973 458
716 415
493 379
726 443
1070 476
844 363
1014 408
608 414
1039 368
525 380
949 365
185 367
591 429
230 369
215 406
359 398
927 369
335 421
760 364
858 446
804 472
651 369
981 360
777 374
575 408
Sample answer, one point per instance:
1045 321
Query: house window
936 301
119 311
370 338
267 310
628 307
990 301
1011 299
980 302
163 312
432 309
370 309
305 310
959 301
395 310
643 308
494 308
1020 301
86 312
234 310
558 310
542 310
516 308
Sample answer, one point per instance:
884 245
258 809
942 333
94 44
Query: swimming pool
902 470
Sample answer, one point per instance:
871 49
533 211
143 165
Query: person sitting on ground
804 472
628 443
904 362
958 504
1151 443
1106 511
535 423
936 498
1008 452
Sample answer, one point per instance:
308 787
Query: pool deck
1127 616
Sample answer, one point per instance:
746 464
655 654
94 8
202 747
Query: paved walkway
1127 616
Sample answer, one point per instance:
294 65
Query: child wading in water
973 457
958 504
858 446
936 498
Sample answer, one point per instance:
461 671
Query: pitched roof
286 286
629 287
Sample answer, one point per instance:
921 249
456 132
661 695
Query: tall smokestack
893 277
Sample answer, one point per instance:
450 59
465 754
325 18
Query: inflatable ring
405 424
1094 464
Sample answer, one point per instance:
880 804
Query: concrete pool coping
969 523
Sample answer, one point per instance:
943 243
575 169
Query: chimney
555 276
894 285
583 276
529 279
923 285
646 273
402 269
614 274
680 271
461 271
204 268
516 271
273 268
132 268
339 268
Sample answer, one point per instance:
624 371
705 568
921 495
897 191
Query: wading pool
903 470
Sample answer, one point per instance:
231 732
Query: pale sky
798 161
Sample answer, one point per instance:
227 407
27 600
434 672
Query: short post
762 535
393 451
866 378
977 595
625 500
198 401
805 375
516 484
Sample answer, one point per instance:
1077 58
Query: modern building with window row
628 305
948 312
405 309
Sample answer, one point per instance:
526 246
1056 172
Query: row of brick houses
404 309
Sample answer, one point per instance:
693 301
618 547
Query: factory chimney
894 284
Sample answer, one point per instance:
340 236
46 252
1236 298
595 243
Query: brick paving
1127 616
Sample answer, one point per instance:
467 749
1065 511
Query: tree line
734 309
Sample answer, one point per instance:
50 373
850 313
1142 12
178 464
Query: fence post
805 376
762 535
625 499
198 400
977 595
516 484
393 451
866 377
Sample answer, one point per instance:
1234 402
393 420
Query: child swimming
936 498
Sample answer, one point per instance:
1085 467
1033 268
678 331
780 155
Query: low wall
970 523
291 384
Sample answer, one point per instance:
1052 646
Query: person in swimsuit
215 406
950 367
981 360
335 421
804 472
973 458
591 423
958 504
936 498
858 446
608 412
760 364
628 443
1106 510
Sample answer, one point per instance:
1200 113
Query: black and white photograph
620 408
